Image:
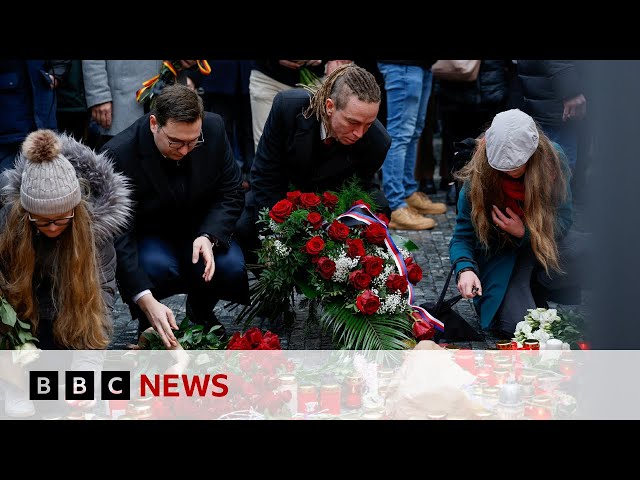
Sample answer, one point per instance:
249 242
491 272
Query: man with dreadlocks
316 141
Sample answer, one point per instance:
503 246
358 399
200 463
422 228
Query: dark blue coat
27 101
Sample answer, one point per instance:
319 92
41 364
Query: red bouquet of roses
333 250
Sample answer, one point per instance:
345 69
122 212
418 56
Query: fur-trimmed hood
110 203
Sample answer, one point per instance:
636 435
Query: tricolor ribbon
362 214
147 85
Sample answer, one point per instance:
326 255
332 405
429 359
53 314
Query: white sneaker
16 402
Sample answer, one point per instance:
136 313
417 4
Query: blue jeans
408 88
567 137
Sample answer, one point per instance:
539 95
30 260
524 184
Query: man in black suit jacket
188 197
317 142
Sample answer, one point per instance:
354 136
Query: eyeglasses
178 145
60 222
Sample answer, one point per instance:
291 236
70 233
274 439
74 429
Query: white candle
554 344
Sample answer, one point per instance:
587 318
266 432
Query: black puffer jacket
489 88
545 86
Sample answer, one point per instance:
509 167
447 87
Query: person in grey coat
110 89
63 207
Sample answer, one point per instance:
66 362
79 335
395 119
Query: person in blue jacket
513 223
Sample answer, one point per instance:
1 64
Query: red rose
238 342
329 200
281 211
375 233
359 279
414 272
397 282
423 330
309 200
294 197
338 231
326 267
383 218
315 219
361 202
314 246
372 265
367 302
355 247
254 336
408 260
270 341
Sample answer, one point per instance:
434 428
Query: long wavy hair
81 321
545 182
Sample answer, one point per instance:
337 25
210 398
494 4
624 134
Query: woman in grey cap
63 205
514 213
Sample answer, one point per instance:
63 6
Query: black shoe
452 195
428 187
207 319
444 184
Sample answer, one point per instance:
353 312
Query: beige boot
424 205
405 219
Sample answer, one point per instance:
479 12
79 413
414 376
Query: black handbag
456 328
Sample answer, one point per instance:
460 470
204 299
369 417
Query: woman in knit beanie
514 219
63 206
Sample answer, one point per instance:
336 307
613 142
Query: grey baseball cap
511 140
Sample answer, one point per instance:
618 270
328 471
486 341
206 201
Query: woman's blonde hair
81 321
545 184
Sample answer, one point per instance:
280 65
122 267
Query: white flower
25 353
344 265
541 336
524 328
281 249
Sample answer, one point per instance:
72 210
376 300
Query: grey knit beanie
49 182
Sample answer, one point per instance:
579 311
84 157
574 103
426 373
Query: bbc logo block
79 385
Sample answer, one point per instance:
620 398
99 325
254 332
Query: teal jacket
495 265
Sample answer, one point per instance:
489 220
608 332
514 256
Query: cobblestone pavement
432 256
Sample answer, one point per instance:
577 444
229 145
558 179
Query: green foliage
13 331
354 331
190 337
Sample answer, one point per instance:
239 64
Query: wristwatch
465 269
214 241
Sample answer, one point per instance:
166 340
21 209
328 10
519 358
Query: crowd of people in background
184 176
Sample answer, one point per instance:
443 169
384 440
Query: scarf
514 194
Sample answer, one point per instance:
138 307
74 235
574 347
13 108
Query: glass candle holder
330 398
353 393
307 399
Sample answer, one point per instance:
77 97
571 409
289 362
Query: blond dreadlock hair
344 82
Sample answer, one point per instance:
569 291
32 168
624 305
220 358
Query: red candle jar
504 345
307 399
330 398
466 359
531 344
540 408
353 398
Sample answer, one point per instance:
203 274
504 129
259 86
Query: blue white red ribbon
362 214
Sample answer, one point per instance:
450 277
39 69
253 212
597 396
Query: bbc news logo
79 385
116 385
